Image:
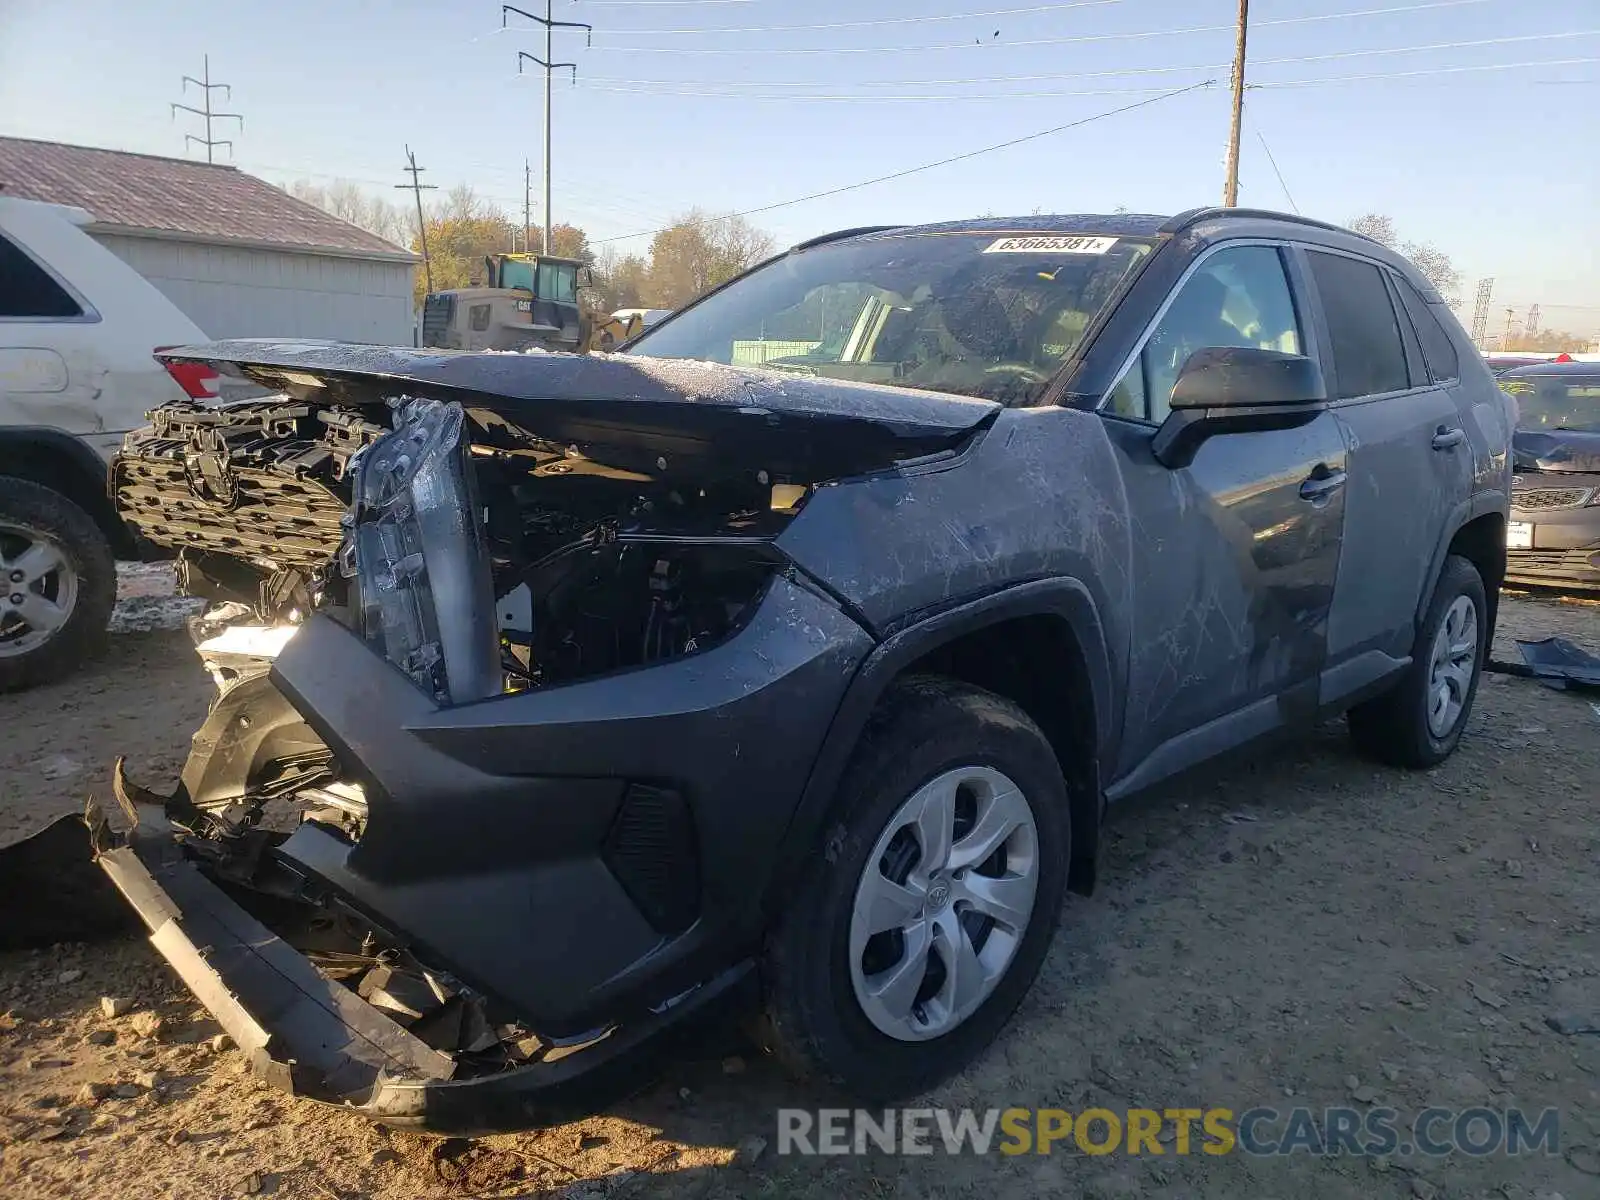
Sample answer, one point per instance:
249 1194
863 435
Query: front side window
1369 355
27 290
974 314
1238 296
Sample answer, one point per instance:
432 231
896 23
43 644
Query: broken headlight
414 546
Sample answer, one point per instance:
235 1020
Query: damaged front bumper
586 864
311 1036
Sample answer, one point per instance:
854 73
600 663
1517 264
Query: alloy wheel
943 903
1451 664
38 589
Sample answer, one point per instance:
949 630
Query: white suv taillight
198 381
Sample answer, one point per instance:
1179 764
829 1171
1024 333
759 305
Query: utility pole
206 88
417 187
550 67
527 203
1230 189
1511 317
1480 313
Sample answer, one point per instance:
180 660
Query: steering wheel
1027 370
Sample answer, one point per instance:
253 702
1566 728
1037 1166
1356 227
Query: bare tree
1433 263
348 202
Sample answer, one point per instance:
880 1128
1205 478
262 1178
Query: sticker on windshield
1051 244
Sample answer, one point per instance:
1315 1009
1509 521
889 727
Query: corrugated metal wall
235 292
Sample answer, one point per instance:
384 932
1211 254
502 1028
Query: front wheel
1419 722
930 905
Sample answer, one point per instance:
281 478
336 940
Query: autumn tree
697 252
1433 263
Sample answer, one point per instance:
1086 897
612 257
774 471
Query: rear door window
27 290
1368 351
1438 349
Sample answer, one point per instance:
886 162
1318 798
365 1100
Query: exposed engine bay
480 559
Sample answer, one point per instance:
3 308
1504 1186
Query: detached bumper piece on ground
305 1030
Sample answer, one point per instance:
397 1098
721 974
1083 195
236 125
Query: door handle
1321 484
1448 437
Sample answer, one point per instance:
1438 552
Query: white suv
78 328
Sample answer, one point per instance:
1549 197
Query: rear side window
1438 350
26 289
1369 356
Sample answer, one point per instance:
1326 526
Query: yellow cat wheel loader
528 301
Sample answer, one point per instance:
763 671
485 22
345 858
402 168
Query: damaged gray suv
786 663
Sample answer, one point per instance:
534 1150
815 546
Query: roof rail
840 234
1195 215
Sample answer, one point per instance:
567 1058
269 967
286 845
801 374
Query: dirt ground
1304 928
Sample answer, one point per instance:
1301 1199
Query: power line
949 97
943 162
1050 41
663 3
716 88
1268 149
871 22
1380 75
206 88
878 98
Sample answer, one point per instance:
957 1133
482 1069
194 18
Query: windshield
1556 402
982 315
514 274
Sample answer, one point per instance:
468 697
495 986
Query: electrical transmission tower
206 88
550 67
1480 312
1531 327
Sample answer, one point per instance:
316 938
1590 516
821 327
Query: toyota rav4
789 660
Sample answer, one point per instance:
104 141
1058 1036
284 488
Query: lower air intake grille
651 851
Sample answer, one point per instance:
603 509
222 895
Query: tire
926 732
1395 727
83 584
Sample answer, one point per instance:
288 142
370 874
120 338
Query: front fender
1063 597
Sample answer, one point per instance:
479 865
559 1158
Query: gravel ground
1304 928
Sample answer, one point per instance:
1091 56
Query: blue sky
1464 144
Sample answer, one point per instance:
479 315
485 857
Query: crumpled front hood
1556 451
647 411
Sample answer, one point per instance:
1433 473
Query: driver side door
1235 554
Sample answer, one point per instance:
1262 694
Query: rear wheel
58 583
925 918
1419 722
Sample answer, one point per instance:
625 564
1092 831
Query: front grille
263 481
1539 499
651 851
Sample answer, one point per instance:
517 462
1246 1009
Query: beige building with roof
239 256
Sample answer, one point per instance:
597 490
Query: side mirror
1234 389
